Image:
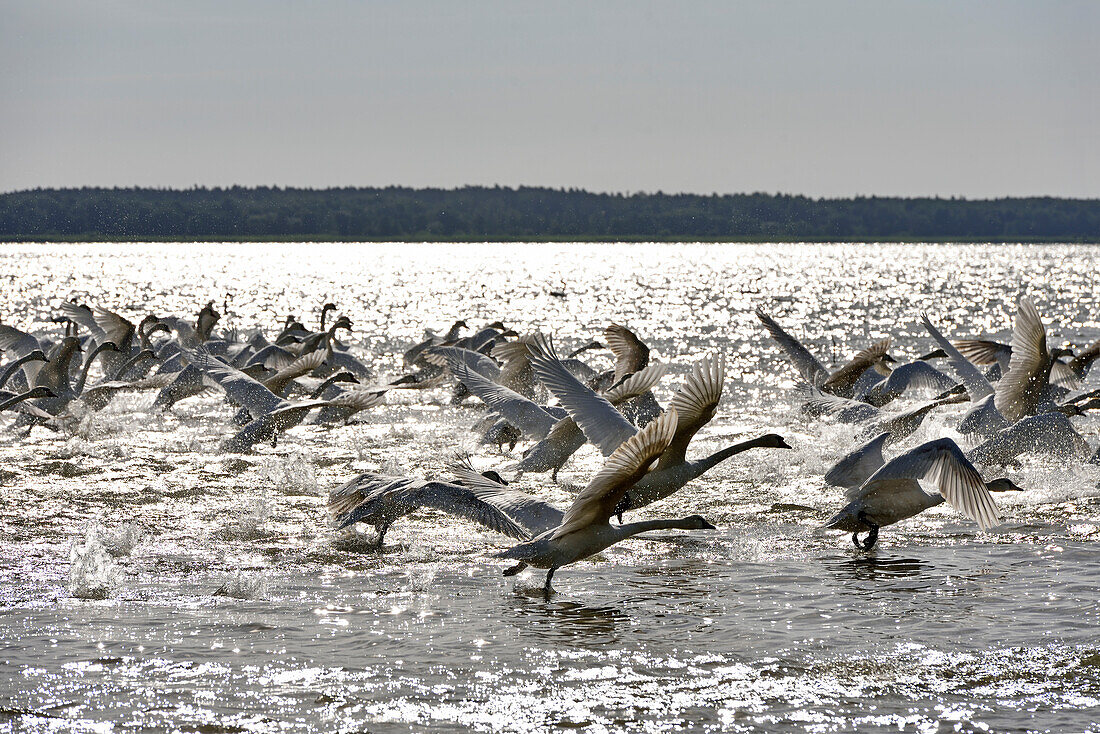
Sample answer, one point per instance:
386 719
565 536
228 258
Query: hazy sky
823 98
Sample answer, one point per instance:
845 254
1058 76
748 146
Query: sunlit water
149 582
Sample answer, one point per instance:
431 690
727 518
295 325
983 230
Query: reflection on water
150 583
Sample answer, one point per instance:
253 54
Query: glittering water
150 582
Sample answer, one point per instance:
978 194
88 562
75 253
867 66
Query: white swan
893 493
842 382
585 530
695 403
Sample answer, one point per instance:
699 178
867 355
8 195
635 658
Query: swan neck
718 457
11 368
633 528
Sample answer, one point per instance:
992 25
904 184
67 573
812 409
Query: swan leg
381 536
623 506
872 536
515 569
546 587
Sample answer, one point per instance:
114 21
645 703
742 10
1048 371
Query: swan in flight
893 492
271 414
694 403
1022 388
1050 434
380 501
585 529
842 382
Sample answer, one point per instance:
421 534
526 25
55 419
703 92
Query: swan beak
707 526
783 444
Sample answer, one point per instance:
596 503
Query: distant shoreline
528 214
76 240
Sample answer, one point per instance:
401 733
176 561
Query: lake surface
230 605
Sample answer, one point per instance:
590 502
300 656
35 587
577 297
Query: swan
566 437
271 414
1051 434
585 529
380 501
432 339
843 381
1022 388
893 492
695 404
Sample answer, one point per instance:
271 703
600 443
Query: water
149 582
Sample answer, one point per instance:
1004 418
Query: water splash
92 574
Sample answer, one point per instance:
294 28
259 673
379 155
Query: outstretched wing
601 423
972 379
630 353
1029 360
942 464
812 371
620 472
526 415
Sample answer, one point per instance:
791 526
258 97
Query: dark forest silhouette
527 213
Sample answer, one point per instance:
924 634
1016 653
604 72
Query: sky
948 98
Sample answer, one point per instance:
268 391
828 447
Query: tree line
527 214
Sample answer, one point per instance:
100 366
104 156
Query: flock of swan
1022 397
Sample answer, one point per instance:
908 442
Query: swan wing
19 343
917 375
845 409
858 466
84 317
812 371
601 423
972 379
534 514
982 351
526 415
115 328
942 464
1029 359
476 361
697 399
629 463
239 387
1063 374
631 354
637 384
465 503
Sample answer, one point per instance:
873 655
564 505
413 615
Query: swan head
37 356
773 441
493 476
1004 484
341 323
934 354
697 522
42 392
498 325
1061 352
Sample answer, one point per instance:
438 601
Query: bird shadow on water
556 620
902 574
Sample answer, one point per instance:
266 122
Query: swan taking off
585 530
893 493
